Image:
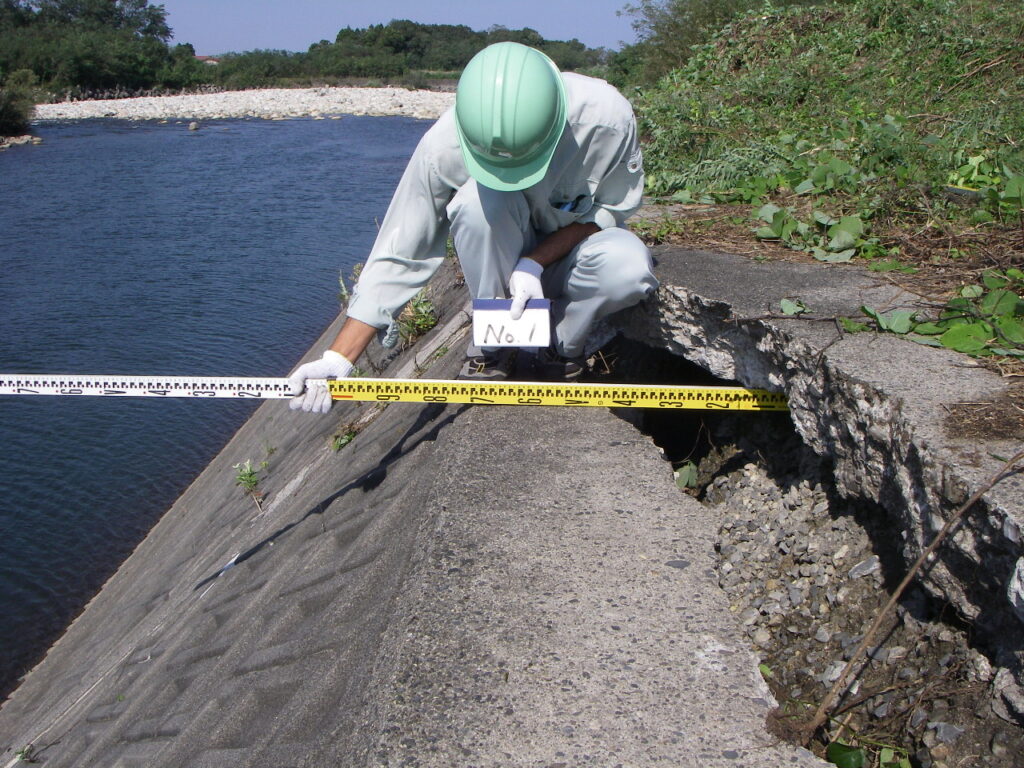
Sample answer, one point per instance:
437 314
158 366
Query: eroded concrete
875 404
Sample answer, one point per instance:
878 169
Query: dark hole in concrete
806 571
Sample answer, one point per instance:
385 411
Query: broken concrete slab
874 403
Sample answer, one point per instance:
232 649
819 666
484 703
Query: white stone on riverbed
269 103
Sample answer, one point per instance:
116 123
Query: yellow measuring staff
540 393
401 391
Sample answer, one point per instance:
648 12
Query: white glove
317 398
524 285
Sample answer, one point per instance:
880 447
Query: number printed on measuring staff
78 385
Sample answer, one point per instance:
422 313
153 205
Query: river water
146 248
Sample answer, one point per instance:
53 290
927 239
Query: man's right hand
524 285
317 397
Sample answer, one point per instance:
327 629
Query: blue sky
219 26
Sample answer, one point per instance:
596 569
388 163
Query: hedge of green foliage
17 97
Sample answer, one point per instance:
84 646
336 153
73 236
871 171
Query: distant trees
183 71
137 17
16 102
84 48
85 45
79 46
390 51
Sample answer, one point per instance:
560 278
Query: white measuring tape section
143 386
406 390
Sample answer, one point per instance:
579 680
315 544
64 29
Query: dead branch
821 715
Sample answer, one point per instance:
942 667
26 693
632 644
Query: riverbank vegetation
17 96
70 49
887 132
402 52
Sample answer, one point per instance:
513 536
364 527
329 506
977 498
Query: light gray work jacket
596 175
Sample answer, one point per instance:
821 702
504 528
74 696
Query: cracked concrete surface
470 586
873 403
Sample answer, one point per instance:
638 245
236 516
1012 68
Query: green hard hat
510 113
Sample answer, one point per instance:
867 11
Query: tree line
95 48
400 49
60 49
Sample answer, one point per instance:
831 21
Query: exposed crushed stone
806 572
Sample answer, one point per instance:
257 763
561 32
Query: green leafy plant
978 171
418 317
845 756
825 237
828 175
899 321
982 320
657 230
793 307
853 326
892 265
890 757
344 294
26 754
342 439
248 478
686 475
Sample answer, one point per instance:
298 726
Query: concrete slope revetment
456 586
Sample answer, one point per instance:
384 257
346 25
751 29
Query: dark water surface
141 248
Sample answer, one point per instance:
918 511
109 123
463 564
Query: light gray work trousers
608 271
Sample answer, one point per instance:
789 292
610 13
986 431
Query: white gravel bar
271 103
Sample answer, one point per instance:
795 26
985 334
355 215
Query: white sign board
493 325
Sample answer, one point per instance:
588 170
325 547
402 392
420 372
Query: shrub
17 100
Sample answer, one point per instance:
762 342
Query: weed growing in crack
418 317
247 476
346 436
344 294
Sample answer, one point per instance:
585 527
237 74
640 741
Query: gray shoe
551 366
488 366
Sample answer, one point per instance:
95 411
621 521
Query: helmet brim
512 178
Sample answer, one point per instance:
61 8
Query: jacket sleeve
411 243
620 186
